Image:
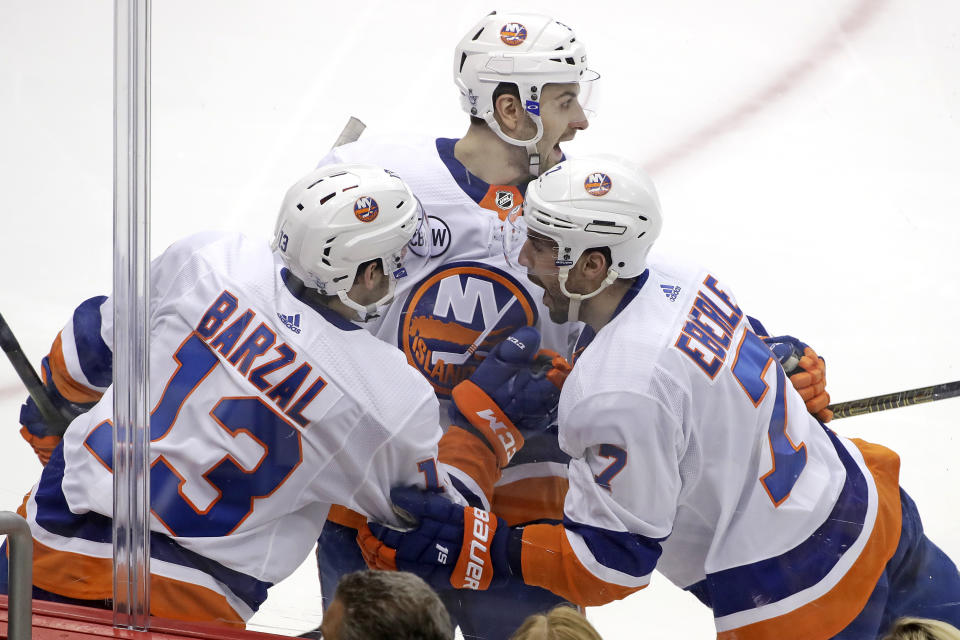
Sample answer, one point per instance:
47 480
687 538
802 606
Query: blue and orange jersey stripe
53 515
811 562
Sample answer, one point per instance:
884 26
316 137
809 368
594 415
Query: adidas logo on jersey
670 291
291 322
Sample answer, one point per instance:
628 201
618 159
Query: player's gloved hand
34 431
448 545
506 396
807 372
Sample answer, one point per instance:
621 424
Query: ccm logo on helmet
597 184
478 549
513 33
366 209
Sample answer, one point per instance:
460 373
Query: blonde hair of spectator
922 629
560 623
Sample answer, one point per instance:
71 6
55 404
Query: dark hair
390 605
504 88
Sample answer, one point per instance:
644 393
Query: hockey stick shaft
895 400
351 132
56 422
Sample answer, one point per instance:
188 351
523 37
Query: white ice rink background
808 152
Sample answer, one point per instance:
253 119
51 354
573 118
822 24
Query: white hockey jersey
462 291
693 454
266 409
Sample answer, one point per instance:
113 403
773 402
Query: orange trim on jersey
530 499
346 517
69 388
89 578
832 612
548 561
461 449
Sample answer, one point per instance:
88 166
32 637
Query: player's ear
370 275
593 266
509 112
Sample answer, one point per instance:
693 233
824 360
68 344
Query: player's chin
558 316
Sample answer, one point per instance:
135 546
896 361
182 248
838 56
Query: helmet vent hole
463 58
299 207
326 251
351 187
315 183
342 173
400 204
644 218
570 61
340 278
477 34
325 198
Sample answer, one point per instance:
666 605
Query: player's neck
599 310
315 298
491 159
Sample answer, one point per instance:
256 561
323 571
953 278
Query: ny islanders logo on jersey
366 209
513 33
456 313
597 184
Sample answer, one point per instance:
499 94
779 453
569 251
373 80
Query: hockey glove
807 371
505 396
34 431
448 545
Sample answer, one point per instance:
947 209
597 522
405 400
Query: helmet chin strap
530 145
366 313
573 311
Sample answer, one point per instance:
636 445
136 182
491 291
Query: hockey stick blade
895 400
56 422
351 132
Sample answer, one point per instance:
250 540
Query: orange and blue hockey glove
449 545
34 431
508 395
807 372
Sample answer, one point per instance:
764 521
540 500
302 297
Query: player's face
562 116
538 255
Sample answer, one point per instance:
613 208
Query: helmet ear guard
593 202
341 216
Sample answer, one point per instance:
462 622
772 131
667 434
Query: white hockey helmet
526 49
590 203
340 216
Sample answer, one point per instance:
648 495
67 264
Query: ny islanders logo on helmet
597 184
513 33
366 209
459 312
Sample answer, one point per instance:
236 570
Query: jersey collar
588 334
298 290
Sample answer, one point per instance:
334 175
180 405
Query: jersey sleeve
408 458
624 486
79 367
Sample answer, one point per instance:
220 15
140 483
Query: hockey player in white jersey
690 452
269 404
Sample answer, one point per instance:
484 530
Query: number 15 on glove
450 545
